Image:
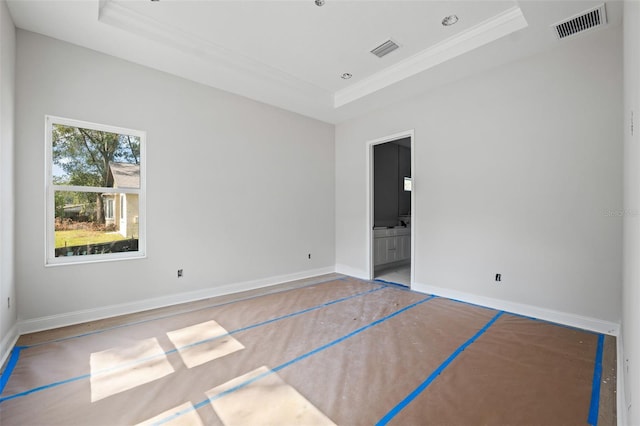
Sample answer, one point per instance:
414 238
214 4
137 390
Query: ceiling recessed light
346 76
449 20
319 2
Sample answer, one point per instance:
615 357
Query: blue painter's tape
292 361
13 360
595 387
557 324
269 321
45 387
520 315
129 324
200 342
475 305
401 286
407 400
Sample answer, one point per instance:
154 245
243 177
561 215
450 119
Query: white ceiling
292 53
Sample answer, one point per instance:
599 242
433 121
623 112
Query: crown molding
117 14
235 66
490 30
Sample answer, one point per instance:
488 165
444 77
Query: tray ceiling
292 54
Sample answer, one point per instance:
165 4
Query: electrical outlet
179 273
309 255
8 303
498 277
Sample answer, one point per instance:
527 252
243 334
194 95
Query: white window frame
109 208
50 189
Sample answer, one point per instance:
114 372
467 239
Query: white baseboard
7 343
352 272
621 400
77 317
573 320
54 321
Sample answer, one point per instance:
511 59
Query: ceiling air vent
592 18
385 48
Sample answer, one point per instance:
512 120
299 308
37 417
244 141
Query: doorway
391 209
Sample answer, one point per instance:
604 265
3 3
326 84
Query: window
95 192
108 208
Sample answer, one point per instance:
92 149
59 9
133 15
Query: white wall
238 191
518 171
7 103
631 286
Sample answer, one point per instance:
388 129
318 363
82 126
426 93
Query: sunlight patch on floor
267 401
119 369
189 418
195 349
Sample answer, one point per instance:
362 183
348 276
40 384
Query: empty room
319 212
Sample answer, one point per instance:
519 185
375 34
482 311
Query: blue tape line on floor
13 360
129 324
475 305
595 387
407 400
519 315
293 361
557 324
402 286
293 314
200 342
45 387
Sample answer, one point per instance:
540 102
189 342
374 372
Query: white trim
77 317
7 343
490 30
573 320
352 272
370 208
100 189
412 276
119 15
71 122
111 257
49 256
109 208
55 321
621 397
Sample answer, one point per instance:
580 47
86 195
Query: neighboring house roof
124 175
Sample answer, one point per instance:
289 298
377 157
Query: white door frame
370 211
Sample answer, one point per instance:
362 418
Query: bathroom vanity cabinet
391 245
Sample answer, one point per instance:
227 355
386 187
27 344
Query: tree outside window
95 191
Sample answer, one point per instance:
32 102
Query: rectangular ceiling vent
385 48
592 18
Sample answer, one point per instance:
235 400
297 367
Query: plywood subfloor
334 350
